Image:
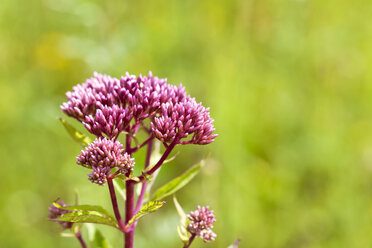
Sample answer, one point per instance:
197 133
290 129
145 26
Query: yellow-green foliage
289 86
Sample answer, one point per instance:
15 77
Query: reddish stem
115 204
131 150
144 184
81 240
160 162
129 206
190 241
128 140
129 203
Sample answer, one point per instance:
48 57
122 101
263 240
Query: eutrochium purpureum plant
117 110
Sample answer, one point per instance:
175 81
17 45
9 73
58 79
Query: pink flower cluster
201 221
179 120
109 120
108 106
83 100
103 155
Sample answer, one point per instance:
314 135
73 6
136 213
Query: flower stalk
114 203
81 240
159 163
191 239
129 207
144 184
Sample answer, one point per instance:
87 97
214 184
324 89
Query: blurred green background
288 83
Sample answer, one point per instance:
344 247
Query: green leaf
99 241
87 214
83 207
150 207
180 211
177 183
182 234
181 229
79 137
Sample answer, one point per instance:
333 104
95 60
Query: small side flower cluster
201 221
55 213
102 156
179 120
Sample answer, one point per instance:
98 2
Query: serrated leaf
177 183
83 207
86 214
79 137
99 241
150 207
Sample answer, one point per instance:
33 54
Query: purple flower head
208 235
109 120
103 153
144 94
55 213
83 98
179 120
200 219
127 164
106 106
99 175
160 91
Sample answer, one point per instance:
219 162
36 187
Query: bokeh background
288 83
